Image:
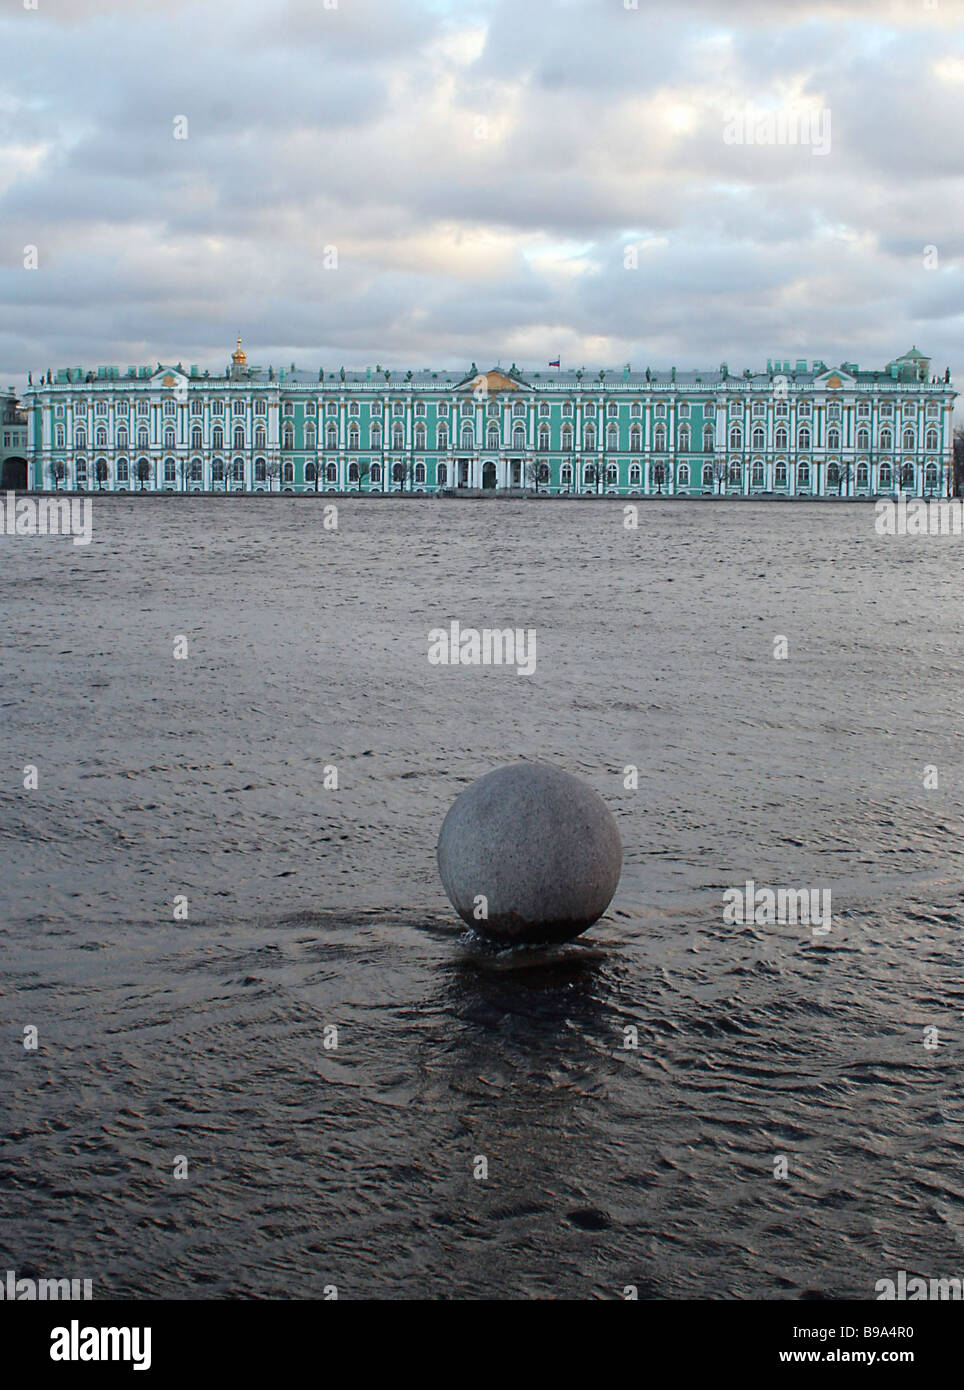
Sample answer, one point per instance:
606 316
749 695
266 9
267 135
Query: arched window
684 438
102 438
122 439
398 436
863 475
492 437
331 437
612 437
288 436
238 470
353 472
519 437
217 437
683 478
803 437
736 473
565 475
635 439
736 437
707 475
468 437
80 439
907 475
781 437
196 437
780 474
376 437
353 436
169 439
331 473
756 476
886 476
930 477
759 437
420 472
443 437
123 471
419 438
863 439
659 438
260 470
590 437
543 437
376 473
239 437
289 472
634 475
197 471
930 442
567 436
803 475
833 438
261 438
707 439
908 439
441 474
612 474
833 475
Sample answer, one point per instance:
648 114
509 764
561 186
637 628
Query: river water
484 1127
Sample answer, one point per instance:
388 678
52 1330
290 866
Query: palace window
260 471
123 471
419 438
170 471
102 438
288 437
492 409
707 439
80 438
543 409
353 436
635 410
886 476
930 477
420 472
908 439
353 409
684 475
759 437
862 475
590 437
684 410
803 410
443 409
612 410
143 439
684 438
398 436
288 408
376 473
863 409
886 439
80 408
781 437
707 475
239 470
660 411
122 439
311 438
863 439
197 471
260 437
780 475
443 437
332 408
419 407
612 437
833 410
441 474
590 410
567 436
170 439
736 437
565 475
398 408
376 437
756 479
217 407
803 475
261 406
833 438
782 410
635 439
239 407
567 410
197 406
659 438
331 437
544 438
289 473
736 473
931 440
634 475
759 408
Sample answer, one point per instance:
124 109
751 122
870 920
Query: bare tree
143 472
274 471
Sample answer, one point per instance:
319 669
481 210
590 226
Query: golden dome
240 357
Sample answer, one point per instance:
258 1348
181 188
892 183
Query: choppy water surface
607 1166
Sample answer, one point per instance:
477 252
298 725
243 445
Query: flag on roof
555 363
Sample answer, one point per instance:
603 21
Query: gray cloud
480 168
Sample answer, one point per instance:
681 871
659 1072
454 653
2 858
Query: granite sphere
538 845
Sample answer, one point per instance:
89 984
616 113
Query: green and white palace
796 429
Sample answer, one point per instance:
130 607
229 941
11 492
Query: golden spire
240 357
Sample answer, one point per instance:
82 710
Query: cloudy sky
436 182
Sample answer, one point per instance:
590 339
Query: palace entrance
14 477
488 474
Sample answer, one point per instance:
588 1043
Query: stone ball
538 845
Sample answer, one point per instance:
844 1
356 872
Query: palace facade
796 429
